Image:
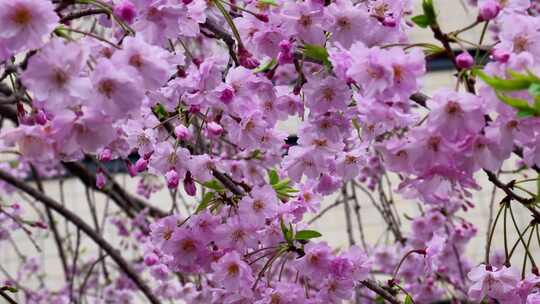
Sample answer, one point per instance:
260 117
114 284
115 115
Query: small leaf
316 52
534 89
160 111
273 177
214 185
504 84
207 198
268 2
522 105
287 233
265 67
408 300
307 234
421 20
429 11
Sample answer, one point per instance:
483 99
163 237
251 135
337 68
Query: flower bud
389 21
105 155
172 179
100 179
488 10
262 17
464 60
40 117
126 11
246 59
131 169
285 54
182 132
213 129
151 259
141 165
500 56
226 96
189 185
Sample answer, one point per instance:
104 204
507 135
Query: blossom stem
490 239
525 246
229 20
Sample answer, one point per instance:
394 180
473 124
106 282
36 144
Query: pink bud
105 155
246 59
151 259
194 109
172 179
100 180
131 169
286 54
41 224
126 11
213 129
141 165
40 117
389 21
464 60
500 56
226 96
262 17
189 185
489 10
182 132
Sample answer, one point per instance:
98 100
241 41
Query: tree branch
79 223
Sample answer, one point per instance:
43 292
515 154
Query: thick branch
79 223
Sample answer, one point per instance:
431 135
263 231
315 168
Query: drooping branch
89 231
373 286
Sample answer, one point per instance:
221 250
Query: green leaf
287 233
273 177
504 84
307 234
269 2
316 52
408 300
207 198
534 89
266 66
421 20
429 11
522 105
160 111
214 185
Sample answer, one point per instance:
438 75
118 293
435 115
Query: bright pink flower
150 62
316 261
495 283
328 94
233 273
260 206
116 93
304 20
126 11
56 79
25 24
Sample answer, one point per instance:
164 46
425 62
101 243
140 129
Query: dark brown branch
80 224
89 12
372 285
7 297
528 203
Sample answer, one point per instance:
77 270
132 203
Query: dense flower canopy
192 94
